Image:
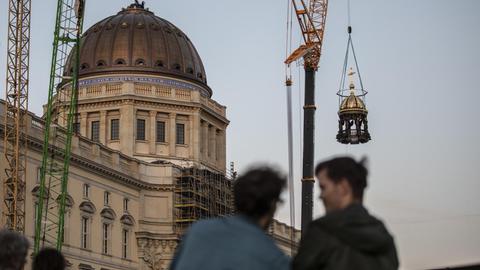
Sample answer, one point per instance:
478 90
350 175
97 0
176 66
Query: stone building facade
148 157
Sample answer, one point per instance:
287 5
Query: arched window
120 61
101 63
127 220
108 214
140 62
87 209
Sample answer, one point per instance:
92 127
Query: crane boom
16 108
59 117
312 20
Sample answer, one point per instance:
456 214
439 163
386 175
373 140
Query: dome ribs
135 41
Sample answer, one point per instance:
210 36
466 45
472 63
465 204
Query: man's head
342 182
256 194
49 259
13 250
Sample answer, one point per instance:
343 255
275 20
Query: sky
419 61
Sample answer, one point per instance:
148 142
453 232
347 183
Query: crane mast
311 19
16 108
59 117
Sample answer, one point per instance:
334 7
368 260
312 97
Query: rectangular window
84 235
76 128
180 133
160 131
39 174
86 190
105 238
124 243
106 198
141 129
95 131
125 205
114 129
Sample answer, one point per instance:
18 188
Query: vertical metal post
59 117
291 188
308 147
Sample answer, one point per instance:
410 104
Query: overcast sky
420 63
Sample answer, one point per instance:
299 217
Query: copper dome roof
137 41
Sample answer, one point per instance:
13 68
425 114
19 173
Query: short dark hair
13 250
346 168
257 190
49 259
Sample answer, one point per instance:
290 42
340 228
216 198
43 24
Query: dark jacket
349 239
228 244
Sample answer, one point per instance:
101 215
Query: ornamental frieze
156 253
142 79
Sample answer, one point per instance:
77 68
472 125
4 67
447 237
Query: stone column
153 138
204 140
213 147
127 124
172 138
103 127
84 124
195 136
223 159
220 148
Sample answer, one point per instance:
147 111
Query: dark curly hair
13 250
257 191
48 259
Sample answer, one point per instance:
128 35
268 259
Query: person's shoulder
207 224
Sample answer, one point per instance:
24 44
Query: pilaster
173 129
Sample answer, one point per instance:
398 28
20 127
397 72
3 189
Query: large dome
137 41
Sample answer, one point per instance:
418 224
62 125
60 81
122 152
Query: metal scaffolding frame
17 78
201 194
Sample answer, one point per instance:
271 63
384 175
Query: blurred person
347 236
13 250
239 241
49 259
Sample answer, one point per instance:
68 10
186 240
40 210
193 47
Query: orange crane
15 114
312 19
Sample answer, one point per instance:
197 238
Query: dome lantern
352 123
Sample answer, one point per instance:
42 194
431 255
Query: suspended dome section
135 41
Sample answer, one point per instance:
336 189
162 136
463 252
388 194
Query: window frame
86 191
84 232
106 231
115 130
125 243
137 129
177 135
125 204
106 198
160 137
95 136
